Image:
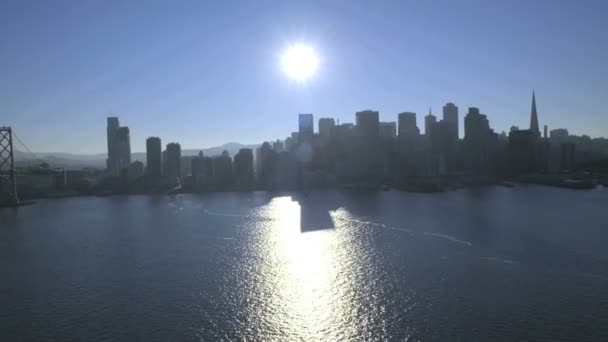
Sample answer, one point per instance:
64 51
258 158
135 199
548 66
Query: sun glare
300 62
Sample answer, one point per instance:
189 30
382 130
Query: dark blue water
496 264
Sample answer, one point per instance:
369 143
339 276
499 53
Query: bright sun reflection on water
309 284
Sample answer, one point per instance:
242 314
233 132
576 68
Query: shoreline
419 188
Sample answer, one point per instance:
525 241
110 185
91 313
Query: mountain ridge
98 160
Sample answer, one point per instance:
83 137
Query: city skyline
455 114
176 71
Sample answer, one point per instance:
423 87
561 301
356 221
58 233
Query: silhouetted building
304 150
267 159
429 121
407 124
388 130
154 156
325 127
450 116
222 171
202 171
368 147
444 142
135 170
522 151
306 128
290 145
410 146
185 167
278 146
119 147
173 156
112 161
567 161
534 118
559 135
479 142
243 169
197 169
286 172
441 148
368 123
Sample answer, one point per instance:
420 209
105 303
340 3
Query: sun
300 62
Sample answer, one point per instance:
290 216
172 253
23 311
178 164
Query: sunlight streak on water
330 266
307 272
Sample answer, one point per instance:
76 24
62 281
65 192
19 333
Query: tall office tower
407 125
306 129
325 127
173 160
185 166
450 116
559 135
267 159
521 151
123 147
202 170
119 147
277 146
534 118
479 140
197 169
476 125
429 121
154 157
388 130
112 161
243 169
222 170
368 123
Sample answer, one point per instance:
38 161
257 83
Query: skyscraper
559 135
306 128
476 125
111 130
368 123
407 124
202 170
154 156
388 130
429 121
267 159
325 126
277 146
534 118
243 169
479 141
222 170
173 160
450 116
522 154
119 147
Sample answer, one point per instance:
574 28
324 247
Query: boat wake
505 261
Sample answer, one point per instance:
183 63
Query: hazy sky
207 72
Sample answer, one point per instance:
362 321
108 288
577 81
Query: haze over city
335 170
204 74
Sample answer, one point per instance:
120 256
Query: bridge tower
8 193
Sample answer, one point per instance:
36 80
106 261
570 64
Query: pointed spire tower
534 117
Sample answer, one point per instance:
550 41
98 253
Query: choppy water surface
524 263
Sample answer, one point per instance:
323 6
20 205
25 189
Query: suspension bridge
8 173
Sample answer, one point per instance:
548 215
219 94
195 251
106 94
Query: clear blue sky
207 72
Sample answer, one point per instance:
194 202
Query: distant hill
78 161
